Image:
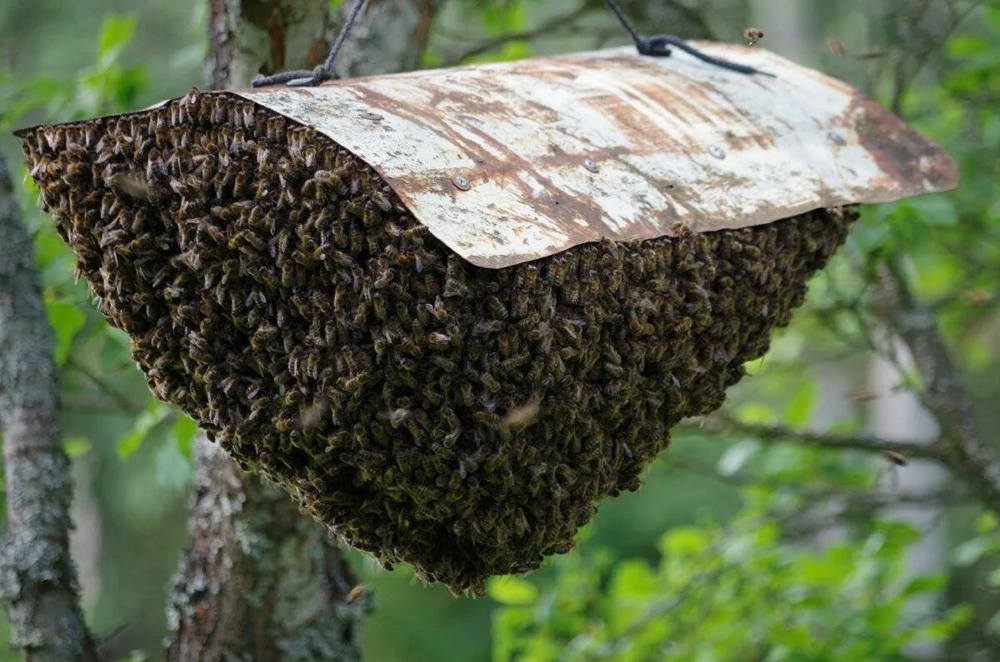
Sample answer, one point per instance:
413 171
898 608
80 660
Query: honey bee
753 35
131 186
312 415
835 45
356 594
898 459
521 417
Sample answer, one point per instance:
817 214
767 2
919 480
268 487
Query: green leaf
925 584
969 552
512 591
76 446
66 320
755 412
800 404
993 626
935 209
173 470
736 456
503 18
116 33
966 45
148 420
683 540
943 629
985 523
632 578
51 251
183 432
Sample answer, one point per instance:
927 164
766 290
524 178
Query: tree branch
964 450
909 67
558 23
951 494
123 402
913 321
38 583
860 442
670 17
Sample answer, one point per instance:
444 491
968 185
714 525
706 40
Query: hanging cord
322 73
659 46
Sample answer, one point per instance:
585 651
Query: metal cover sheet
563 150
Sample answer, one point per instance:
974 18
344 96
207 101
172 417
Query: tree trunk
38 583
259 581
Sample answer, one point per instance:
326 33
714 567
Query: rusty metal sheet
563 150
515 161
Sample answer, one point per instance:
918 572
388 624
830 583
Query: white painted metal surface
564 150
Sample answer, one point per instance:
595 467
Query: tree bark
38 583
259 581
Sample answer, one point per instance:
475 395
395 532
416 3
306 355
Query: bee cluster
458 418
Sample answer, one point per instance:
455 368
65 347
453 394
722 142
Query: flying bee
356 594
863 395
836 46
898 459
131 186
753 35
521 417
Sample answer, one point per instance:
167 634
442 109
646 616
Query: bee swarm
458 418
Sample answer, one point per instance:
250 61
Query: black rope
659 46
322 73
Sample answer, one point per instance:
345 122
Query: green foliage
750 589
738 592
67 320
103 88
984 549
154 414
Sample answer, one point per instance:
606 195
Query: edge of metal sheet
515 161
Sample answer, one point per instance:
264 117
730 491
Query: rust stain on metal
516 161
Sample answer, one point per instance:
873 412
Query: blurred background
747 542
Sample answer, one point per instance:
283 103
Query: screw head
461 183
836 138
590 165
717 152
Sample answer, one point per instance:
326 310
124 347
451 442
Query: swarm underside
462 419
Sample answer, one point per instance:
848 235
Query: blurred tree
37 578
